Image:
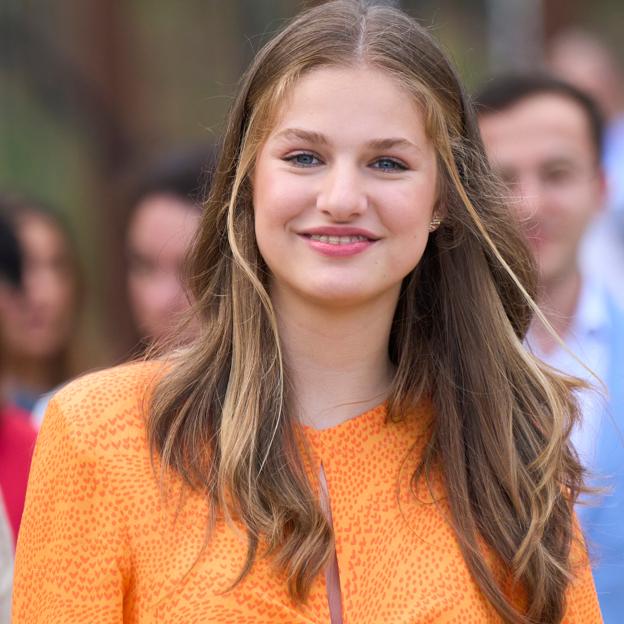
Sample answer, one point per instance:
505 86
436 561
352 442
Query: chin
341 297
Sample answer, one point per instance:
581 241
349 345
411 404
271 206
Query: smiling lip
339 241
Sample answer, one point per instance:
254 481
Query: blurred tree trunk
515 33
107 61
559 14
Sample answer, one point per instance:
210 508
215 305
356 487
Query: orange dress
98 545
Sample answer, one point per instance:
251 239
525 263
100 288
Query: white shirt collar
592 314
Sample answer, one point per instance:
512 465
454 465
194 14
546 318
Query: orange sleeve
72 556
581 599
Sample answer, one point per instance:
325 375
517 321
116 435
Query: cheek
408 212
573 215
65 294
407 216
277 199
139 291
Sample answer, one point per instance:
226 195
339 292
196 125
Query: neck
558 300
337 358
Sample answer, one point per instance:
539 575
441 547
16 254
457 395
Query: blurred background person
586 61
40 334
544 138
17 436
163 219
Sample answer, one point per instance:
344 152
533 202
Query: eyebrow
304 135
557 161
321 139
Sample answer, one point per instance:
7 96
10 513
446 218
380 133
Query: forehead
39 234
349 102
160 219
537 128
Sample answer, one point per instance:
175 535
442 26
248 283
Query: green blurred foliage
156 76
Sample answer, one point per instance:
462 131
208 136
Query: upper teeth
337 240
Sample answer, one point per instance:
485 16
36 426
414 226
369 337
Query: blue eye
389 164
303 159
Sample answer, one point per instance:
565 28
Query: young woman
357 435
39 331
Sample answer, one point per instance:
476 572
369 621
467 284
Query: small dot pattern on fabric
99 544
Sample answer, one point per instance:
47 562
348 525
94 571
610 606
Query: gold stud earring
435 223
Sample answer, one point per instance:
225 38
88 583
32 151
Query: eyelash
396 164
293 159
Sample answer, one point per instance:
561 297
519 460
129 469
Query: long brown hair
220 417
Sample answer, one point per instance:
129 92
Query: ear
438 215
435 222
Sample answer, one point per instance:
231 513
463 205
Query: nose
343 194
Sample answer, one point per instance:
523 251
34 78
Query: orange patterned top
98 545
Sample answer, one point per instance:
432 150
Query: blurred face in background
160 234
542 148
38 325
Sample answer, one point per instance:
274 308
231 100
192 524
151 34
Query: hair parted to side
221 416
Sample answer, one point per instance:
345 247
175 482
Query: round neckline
377 413
420 416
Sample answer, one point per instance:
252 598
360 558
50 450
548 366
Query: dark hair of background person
184 174
11 264
11 267
72 357
502 92
500 436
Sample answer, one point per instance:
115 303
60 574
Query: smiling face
543 149
344 188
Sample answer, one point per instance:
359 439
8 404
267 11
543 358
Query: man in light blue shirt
544 137
585 60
